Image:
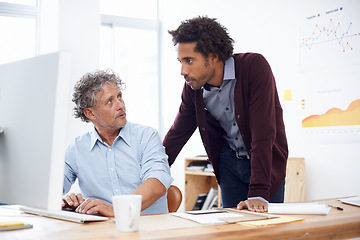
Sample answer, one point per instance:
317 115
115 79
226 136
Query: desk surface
336 225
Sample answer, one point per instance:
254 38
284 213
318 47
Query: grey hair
87 88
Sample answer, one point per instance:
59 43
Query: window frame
24 11
113 22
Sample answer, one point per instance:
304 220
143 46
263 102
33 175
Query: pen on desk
338 208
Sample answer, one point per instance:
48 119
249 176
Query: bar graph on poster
329 67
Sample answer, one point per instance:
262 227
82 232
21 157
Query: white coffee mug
127 210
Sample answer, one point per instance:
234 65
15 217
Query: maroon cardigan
258 114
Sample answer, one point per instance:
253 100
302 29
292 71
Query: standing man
233 101
116 157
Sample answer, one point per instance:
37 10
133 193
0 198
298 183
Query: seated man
116 157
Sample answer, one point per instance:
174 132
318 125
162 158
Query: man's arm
183 127
262 124
151 190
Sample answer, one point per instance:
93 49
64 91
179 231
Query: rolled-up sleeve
154 161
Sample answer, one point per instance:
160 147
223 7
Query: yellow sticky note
287 95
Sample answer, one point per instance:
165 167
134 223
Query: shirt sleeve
69 172
154 161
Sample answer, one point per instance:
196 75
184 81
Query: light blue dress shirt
103 171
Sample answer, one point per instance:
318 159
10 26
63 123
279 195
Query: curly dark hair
211 37
87 88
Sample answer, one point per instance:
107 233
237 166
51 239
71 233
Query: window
145 9
18 26
130 46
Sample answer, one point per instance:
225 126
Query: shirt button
234 124
238 116
227 109
236 138
116 190
112 169
109 149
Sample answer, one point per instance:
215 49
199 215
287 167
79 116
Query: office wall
72 26
272 29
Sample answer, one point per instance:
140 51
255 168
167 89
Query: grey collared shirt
219 101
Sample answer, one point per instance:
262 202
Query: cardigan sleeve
183 127
261 122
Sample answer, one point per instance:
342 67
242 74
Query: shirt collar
124 134
229 69
229 72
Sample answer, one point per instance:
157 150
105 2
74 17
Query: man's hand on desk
77 202
90 206
254 205
72 200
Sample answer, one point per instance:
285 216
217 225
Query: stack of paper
298 208
352 200
207 218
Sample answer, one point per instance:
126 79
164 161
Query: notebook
64 215
352 200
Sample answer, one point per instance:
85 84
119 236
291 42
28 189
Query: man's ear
88 112
213 58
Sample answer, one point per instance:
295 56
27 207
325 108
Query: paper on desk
208 218
157 222
355 201
298 208
272 221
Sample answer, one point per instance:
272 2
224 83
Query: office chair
174 198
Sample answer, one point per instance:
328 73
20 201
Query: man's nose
120 104
184 71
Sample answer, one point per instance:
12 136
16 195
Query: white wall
72 26
272 29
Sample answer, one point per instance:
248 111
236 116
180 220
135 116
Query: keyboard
64 215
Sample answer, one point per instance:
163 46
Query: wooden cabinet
198 182
295 180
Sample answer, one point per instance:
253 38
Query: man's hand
90 206
72 200
254 205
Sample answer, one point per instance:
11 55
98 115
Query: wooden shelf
199 173
198 182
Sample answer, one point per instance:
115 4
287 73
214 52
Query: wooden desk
336 225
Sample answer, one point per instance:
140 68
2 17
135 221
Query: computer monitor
34 101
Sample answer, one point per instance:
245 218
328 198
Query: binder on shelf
197 165
214 203
210 199
200 201
209 168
